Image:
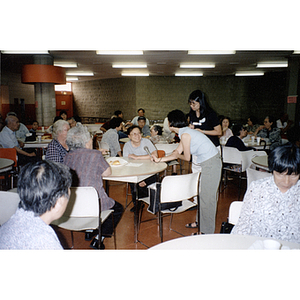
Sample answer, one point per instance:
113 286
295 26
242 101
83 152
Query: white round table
219 242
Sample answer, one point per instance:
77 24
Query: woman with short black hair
271 206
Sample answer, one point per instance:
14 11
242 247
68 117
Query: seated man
111 137
141 113
136 149
8 140
44 189
144 127
271 207
235 141
22 131
88 166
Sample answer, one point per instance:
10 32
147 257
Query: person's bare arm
20 151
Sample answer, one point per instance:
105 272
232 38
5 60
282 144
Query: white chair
177 188
253 175
9 202
234 211
83 212
235 161
238 162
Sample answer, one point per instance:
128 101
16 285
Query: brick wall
236 97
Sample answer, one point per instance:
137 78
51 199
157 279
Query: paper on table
134 165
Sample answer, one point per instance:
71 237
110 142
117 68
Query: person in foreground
44 189
271 207
88 166
206 159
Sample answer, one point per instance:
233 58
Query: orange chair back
161 153
9 153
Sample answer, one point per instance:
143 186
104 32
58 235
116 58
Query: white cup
271 245
252 139
43 128
258 140
39 138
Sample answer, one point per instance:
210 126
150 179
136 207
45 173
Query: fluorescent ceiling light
249 73
63 87
24 52
296 52
129 66
71 78
119 52
202 65
80 74
211 52
189 74
134 74
65 64
272 64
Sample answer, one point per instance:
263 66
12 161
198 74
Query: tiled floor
149 232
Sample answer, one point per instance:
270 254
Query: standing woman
206 159
203 118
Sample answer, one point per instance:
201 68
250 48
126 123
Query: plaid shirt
55 151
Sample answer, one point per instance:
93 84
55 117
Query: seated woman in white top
135 149
226 131
271 206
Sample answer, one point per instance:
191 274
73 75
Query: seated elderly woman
135 149
269 131
88 166
235 141
57 149
156 135
271 207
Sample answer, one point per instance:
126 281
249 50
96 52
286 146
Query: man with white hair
8 140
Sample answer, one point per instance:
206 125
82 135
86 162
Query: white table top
6 164
135 174
261 161
36 144
219 242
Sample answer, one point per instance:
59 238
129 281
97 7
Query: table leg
136 212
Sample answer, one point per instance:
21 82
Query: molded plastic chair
83 212
234 211
177 188
9 202
10 153
253 175
238 162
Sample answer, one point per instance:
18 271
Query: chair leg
72 238
160 226
171 219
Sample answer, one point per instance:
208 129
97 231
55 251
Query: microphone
147 150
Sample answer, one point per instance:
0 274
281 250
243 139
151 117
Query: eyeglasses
135 133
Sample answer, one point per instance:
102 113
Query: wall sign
292 99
